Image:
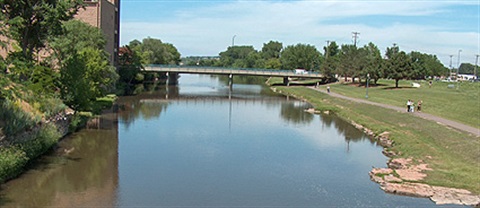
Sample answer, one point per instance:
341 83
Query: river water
200 144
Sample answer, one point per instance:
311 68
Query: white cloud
209 30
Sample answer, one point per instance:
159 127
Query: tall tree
398 65
373 63
300 56
32 22
331 60
351 61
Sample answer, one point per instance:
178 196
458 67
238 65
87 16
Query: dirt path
446 122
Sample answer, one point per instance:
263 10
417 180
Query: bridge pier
230 81
285 81
172 78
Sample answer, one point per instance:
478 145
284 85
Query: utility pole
458 63
355 36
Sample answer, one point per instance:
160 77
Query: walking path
454 124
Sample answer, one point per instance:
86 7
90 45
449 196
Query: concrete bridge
174 70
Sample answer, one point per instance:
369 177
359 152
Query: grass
453 155
461 103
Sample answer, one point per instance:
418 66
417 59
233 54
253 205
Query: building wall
104 14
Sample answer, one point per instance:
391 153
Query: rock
381 171
392 179
388 153
410 175
408 189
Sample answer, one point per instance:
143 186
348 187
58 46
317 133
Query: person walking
409 103
419 106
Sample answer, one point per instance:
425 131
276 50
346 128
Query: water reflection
202 144
82 171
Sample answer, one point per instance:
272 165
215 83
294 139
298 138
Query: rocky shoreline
404 176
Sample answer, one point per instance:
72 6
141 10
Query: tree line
346 60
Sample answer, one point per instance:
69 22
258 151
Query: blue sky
207 27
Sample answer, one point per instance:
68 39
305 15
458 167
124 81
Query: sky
208 27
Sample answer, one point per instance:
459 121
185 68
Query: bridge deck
230 71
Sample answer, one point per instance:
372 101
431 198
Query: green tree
86 76
398 65
425 65
373 62
236 56
271 50
331 61
154 51
351 61
467 68
32 22
300 56
77 36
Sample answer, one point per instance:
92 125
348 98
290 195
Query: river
200 144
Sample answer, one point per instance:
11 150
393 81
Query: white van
301 71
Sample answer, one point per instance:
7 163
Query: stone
392 179
410 175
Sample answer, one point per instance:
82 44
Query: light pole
368 79
458 63
233 40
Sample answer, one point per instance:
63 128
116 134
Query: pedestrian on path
328 89
409 103
419 106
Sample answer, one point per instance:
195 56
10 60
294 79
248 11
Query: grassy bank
451 154
460 103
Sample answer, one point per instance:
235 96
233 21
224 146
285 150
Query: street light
233 40
368 79
458 63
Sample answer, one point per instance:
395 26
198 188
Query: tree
398 65
236 56
351 61
300 56
32 22
271 50
154 51
331 60
466 68
85 72
373 63
85 76
77 36
425 65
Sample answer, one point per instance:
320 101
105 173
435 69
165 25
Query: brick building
103 14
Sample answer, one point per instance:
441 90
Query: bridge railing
232 70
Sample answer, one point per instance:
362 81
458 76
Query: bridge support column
285 81
172 78
230 81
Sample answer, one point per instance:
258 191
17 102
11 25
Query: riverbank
450 155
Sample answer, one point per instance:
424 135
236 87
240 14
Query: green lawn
461 103
453 155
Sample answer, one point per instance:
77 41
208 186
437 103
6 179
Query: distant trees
154 51
300 56
348 61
